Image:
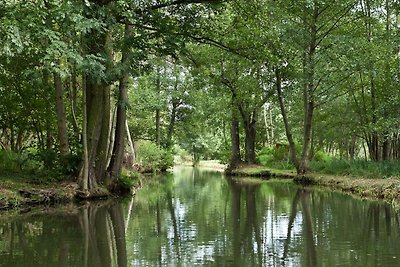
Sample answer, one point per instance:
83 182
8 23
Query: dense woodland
230 80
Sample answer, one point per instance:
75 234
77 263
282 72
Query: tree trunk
175 104
308 89
120 129
288 130
84 173
97 92
386 147
131 144
235 139
250 126
268 139
104 138
61 117
74 107
158 128
158 117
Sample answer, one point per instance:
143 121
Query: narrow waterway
195 217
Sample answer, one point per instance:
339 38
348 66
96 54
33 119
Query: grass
261 171
358 168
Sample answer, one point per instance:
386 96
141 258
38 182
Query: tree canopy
219 79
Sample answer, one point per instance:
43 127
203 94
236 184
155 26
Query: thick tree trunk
250 127
97 92
235 139
104 139
61 117
120 129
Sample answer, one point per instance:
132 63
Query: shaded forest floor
387 189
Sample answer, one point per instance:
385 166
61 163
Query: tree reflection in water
200 218
93 235
103 228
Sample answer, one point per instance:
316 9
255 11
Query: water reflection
195 217
93 235
103 235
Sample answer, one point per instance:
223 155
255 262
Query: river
197 217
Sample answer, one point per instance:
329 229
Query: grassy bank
380 187
19 190
260 171
384 189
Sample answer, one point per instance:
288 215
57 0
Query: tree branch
199 39
182 2
335 24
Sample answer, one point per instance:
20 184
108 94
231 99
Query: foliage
182 156
128 180
153 158
322 156
276 154
363 168
194 68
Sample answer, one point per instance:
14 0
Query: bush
42 166
127 181
17 161
321 156
277 154
154 158
70 164
265 156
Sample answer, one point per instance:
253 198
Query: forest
91 88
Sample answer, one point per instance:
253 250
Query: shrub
321 156
277 154
70 164
154 158
17 161
265 156
167 160
127 181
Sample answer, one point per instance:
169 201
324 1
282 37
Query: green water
199 218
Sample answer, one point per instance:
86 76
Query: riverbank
387 189
214 165
18 191
260 172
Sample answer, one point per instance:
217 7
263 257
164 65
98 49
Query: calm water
199 218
